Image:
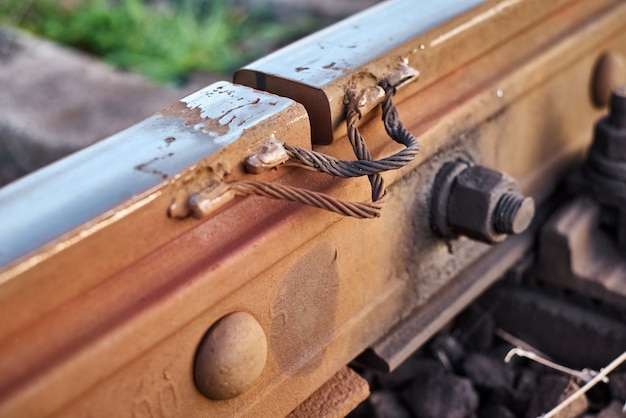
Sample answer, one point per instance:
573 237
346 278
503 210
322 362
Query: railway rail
209 260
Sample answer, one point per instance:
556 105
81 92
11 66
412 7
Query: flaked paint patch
193 118
219 126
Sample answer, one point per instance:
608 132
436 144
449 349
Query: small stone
613 410
477 328
552 390
599 396
413 368
495 411
386 404
617 385
523 390
441 395
448 350
488 373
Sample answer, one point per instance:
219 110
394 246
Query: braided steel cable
323 163
362 210
360 148
395 129
364 165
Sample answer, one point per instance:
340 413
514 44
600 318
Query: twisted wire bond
365 165
323 163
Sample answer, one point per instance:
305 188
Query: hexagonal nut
473 199
609 141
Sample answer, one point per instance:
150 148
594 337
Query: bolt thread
506 211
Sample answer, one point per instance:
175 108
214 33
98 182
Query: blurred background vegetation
166 40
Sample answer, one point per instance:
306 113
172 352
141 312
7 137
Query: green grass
164 41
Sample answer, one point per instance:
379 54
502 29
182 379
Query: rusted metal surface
411 333
576 254
336 398
145 288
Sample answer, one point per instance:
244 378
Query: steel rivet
231 356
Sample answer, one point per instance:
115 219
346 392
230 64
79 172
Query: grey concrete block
54 101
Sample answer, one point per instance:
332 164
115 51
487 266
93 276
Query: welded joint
210 199
271 155
402 75
368 98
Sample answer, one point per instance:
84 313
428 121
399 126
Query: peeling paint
241 109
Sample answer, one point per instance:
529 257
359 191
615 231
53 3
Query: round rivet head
231 357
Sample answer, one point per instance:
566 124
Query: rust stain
169 140
336 66
180 110
214 125
146 169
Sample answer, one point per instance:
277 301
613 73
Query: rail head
170 153
359 52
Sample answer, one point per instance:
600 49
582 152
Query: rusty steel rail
135 280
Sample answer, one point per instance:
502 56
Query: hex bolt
609 142
609 71
617 113
478 202
604 174
513 213
231 357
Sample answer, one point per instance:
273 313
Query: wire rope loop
364 165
